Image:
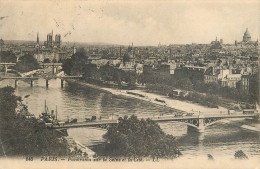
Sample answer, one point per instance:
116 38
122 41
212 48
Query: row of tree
77 65
166 83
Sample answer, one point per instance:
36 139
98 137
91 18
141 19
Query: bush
240 155
210 157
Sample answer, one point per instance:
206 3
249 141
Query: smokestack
120 51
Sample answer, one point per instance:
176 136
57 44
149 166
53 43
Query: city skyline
117 22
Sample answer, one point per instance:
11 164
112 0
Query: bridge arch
188 123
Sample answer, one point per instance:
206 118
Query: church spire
38 38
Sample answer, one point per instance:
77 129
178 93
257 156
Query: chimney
120 51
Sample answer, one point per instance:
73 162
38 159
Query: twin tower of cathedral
50 43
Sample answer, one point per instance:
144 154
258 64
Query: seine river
74 101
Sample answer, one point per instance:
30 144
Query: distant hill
19 42
84 44
78 44
70 44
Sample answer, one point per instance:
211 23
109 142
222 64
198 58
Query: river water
74 101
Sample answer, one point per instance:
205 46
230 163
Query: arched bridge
36 78
197 122
53 65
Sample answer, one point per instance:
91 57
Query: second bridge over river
197 122
31 79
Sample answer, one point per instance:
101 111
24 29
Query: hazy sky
119 22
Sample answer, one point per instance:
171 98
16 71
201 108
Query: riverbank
177 105
79 149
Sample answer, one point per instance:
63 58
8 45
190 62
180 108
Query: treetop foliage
8 57
144 138
76 64
22 136
27 63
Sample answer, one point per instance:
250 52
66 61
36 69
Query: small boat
93 118
178 114
178 93
74 121
26 96
158 100
189 114
249 111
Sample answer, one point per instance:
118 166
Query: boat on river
50 118
159 100
47 116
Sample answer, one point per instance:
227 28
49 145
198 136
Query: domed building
247 42
247 36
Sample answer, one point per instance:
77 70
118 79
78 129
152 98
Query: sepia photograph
129 84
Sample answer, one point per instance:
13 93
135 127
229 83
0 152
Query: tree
117 77
185 84
8 56
67 66
21 136
27 63
254 88
78 62
240 155
212 87
2 42
134 137
131 79
46 60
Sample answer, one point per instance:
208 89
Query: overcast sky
118 22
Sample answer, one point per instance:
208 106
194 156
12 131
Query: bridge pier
52 70
62 81
5 67
55 69
47 83
195 129
201 127
197 125
15 83
31 83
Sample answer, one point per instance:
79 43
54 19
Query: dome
247 33
247 36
